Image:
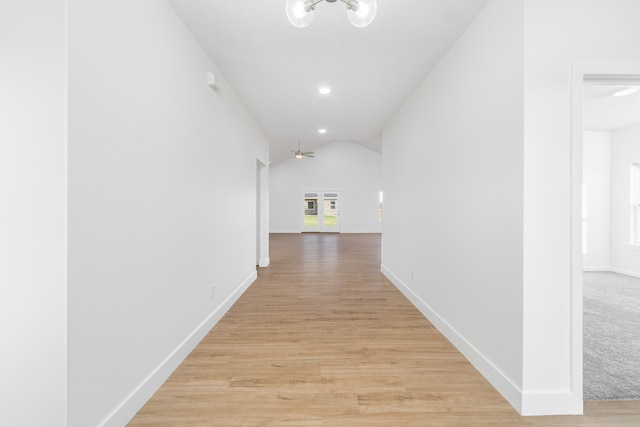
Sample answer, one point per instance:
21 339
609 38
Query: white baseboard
530 403
626 272
589 269
614 270
139 396
264 262
341 231
509 391
552 402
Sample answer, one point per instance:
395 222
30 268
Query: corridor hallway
322 338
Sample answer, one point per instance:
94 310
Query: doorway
261 214
602 225
321 212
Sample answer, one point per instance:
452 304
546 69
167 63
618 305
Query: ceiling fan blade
309 155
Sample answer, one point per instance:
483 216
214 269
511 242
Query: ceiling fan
299 154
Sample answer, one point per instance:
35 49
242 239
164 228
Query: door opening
602 222
261 214
321 212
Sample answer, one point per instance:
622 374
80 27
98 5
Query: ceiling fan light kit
361 13
300 154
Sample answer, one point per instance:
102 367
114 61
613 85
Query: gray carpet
611 336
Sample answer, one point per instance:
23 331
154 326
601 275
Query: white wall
596 173
33 144
559 35
607 158
162 200
512 309
453 178
625 150
343 165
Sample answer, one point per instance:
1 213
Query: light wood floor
323 339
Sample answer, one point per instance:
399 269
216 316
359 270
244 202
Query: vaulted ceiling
276 68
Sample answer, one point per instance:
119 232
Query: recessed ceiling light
627 91
322 130
324 90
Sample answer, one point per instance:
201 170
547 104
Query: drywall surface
162 200
625 151
558 36
351 169
596 173
452 175
33 147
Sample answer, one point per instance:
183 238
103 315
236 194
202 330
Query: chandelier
360 12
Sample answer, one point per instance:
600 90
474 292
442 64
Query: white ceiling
603 111
276 68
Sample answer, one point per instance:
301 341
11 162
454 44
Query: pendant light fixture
360 12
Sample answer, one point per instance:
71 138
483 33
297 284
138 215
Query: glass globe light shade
299 12
363 14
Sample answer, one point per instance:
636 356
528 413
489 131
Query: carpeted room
611 237
611 336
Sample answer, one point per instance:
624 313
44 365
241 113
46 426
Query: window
634 205
332 204
311 205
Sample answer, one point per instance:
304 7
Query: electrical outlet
213 291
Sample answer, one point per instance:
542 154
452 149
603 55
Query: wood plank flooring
323 339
